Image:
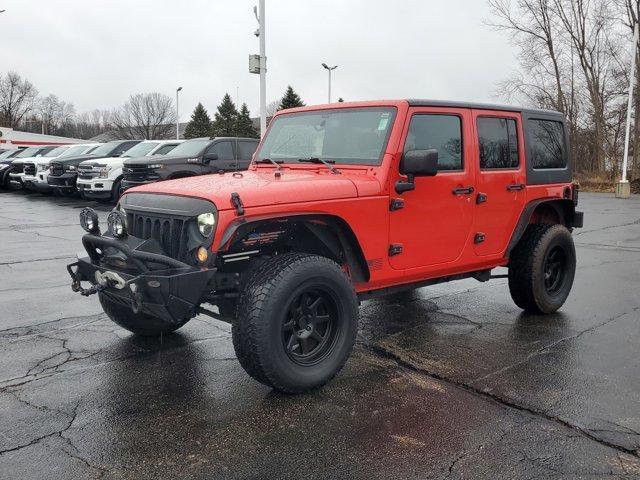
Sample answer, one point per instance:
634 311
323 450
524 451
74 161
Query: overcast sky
94 53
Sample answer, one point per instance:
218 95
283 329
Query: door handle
463 190
514 187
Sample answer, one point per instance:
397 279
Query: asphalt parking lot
451 381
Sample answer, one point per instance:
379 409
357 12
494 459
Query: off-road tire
527 268
138 323
263 309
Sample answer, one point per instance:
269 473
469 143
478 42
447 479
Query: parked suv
100 179
194 157
343 203
63 174
36 170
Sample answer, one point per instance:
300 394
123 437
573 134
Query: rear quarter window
547 144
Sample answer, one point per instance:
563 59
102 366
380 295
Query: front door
500 179
434 224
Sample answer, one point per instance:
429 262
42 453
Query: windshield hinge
236 201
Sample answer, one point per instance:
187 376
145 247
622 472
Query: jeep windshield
190 148
351 136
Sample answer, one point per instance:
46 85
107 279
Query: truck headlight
104 172
41 168
71 168
206 224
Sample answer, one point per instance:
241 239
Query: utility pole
177 114
258 64
329 69
623 189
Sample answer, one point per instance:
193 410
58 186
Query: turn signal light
202 254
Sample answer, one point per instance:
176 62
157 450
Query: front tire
296 322
138 323
542 268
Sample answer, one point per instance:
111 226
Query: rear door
500 180
434 223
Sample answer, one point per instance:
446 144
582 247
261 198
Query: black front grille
17 167
138 173
56 169
170 233
30 169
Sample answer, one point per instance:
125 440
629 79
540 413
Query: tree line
574 57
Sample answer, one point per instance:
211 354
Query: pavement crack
499 399
16 262
582 232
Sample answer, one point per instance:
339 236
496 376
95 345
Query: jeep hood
261 187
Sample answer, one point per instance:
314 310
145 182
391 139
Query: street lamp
329 69
258 64
177 115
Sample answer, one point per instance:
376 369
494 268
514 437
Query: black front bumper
66 181
147 281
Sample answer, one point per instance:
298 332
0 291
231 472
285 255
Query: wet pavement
451 381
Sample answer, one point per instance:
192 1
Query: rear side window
548 148
246 150
440 132
498 141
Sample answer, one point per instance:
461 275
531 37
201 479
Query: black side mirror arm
407 186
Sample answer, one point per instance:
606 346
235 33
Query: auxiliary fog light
117 224
202 254
89 220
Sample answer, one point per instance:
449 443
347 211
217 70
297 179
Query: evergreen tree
199 125
290 100
244 124
224 122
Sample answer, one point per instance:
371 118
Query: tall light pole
177 114
258 64
623 189
329 69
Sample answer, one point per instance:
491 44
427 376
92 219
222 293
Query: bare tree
94 123
54 114
17 96
145 116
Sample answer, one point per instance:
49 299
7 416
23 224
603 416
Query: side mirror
210 157
417 163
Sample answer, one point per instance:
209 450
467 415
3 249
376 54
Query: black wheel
296 322
138 323
542 268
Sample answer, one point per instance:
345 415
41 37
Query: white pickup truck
36 170
100 179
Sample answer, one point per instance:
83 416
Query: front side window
191 148
440 132
498 141
353 136
548 148
224 150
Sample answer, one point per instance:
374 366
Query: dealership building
14 138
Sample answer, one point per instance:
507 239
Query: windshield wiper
327 163
269 160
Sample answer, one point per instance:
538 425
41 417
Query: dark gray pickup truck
198 156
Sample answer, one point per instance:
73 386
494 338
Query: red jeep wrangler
342 203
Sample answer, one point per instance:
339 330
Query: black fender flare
344 233
564 207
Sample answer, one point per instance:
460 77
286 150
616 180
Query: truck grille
17 168
86 172
138 173
30 169
56 169
170 233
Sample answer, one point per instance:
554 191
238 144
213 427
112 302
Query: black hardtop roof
413 102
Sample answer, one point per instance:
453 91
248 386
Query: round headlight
117 224
206 224
89 220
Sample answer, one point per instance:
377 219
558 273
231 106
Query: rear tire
138 323
296 322
542 268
